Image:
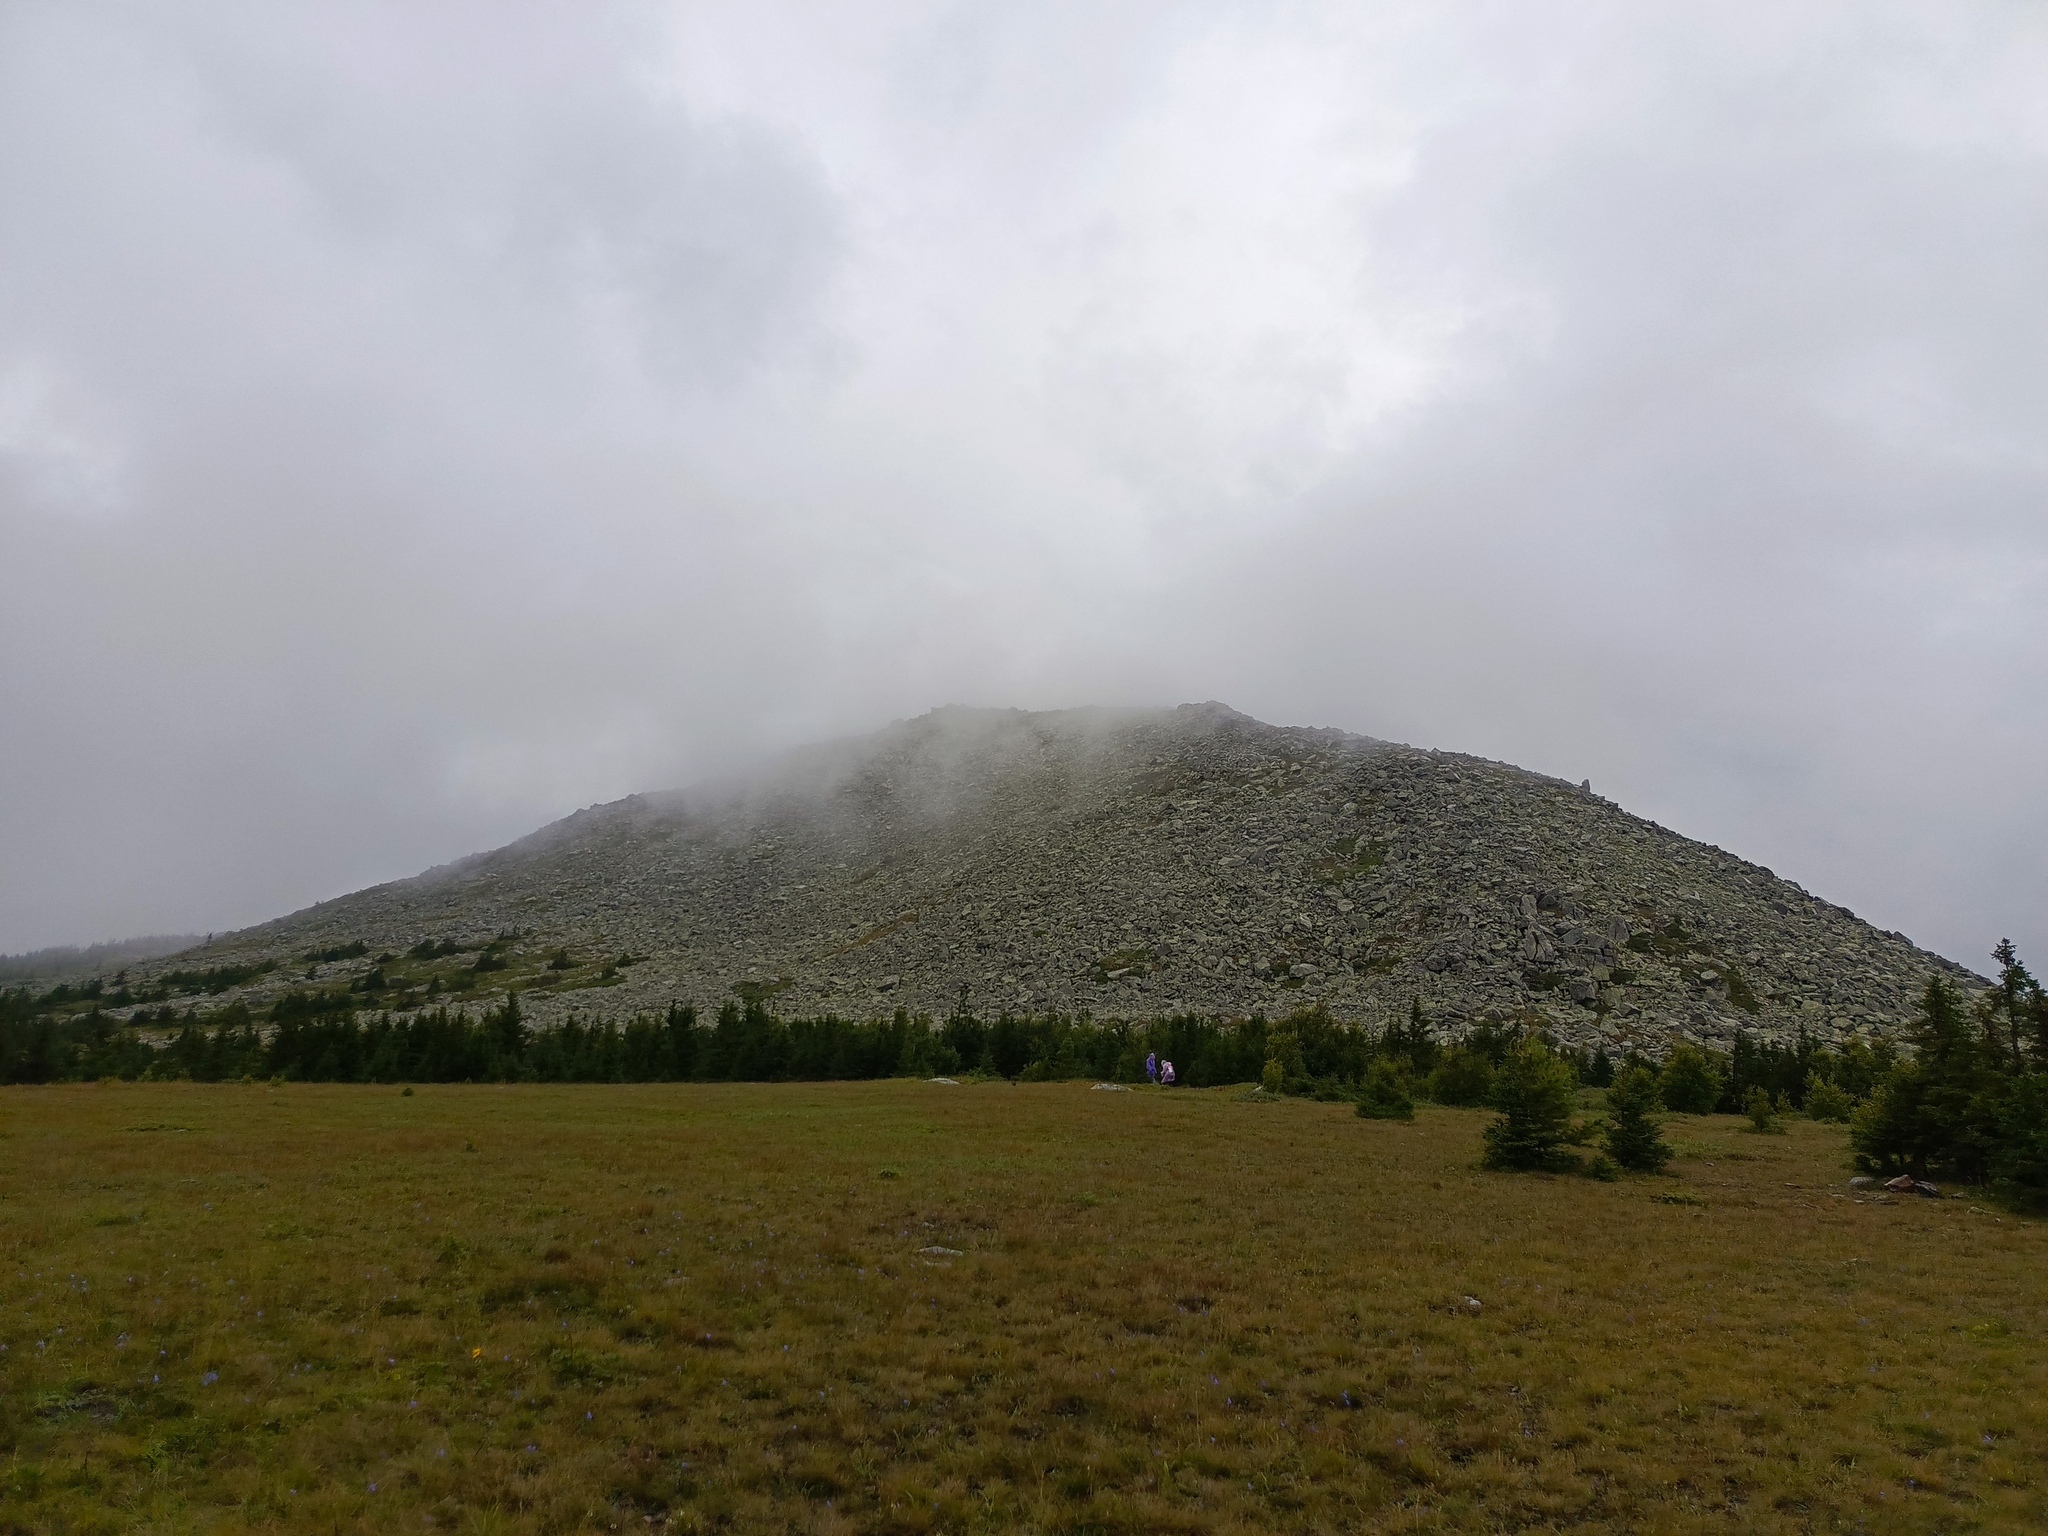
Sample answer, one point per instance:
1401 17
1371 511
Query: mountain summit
1127 863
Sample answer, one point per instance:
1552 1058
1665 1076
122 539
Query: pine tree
1633 1137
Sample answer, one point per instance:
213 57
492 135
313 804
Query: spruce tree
1384 1094
1935 1114
1463 1078
1825 1101
1689 1084
2019 1162
1762 1110
2011 1001
1633 1137
1534 1093
1283 1051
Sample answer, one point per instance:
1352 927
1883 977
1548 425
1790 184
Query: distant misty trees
84 960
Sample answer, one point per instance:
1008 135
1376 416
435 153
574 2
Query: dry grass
561 1309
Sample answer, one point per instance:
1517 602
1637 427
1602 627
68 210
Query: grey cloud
414 424
1753 537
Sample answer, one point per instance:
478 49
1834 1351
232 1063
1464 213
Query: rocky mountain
1123 863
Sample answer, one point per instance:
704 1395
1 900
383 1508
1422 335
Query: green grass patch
210 982
351 951
1347 858
980 1307
1120 963
879 931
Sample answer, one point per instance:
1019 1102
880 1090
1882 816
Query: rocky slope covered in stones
1123 863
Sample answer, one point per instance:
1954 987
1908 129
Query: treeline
326 1036
1966 1101
321 1037
73 959
1802 1077
1971 1104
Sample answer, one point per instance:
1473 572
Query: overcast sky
417 422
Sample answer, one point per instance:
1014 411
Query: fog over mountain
1113 863
417 423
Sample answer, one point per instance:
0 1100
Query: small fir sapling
1384 1094
1762 1110
1632 1136
1535 1094
1824 1101
1463 1078
1689 1084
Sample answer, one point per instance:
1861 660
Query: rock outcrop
1124 864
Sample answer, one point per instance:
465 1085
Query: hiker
1166 1074
1152 1067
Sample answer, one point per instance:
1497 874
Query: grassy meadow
907 1307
